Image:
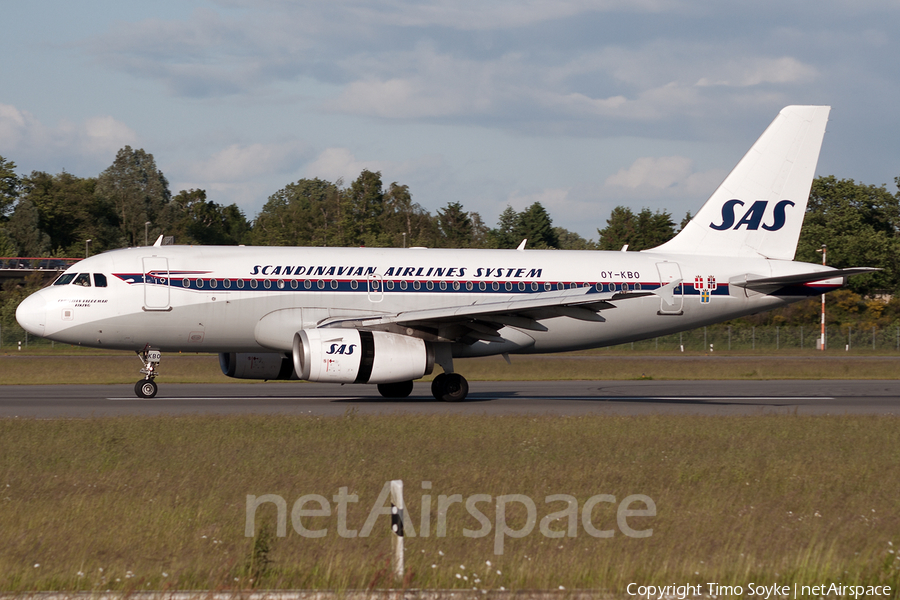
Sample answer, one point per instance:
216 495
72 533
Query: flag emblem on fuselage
705 285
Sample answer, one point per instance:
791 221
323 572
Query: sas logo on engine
753 217
341 349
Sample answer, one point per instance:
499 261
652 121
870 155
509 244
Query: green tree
12 292
137 189
9 186
7 246
70 212
859 225
455 226
24 228
645 230
235 226
305 213
403 216
535 225
192 219
569 240
505 235
363 211
481 233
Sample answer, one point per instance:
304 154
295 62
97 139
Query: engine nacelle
257 365
353 356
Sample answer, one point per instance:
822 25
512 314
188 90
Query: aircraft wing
482 319
768 284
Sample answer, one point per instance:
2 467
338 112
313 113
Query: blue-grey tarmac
835 397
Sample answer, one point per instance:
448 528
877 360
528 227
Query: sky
582 105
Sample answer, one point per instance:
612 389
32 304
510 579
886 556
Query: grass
90 368
160 503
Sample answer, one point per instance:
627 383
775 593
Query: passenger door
156 283
669 272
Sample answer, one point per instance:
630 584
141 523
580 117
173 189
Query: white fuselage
216 299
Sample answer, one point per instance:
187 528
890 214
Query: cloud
661 177
551 199
428 84
209 54
503 65
250 196
239 162
758 71
334 164
657 173
464 15
101 136
85 145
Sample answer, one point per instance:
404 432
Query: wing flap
582 303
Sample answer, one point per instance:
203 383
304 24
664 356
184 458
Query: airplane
387 316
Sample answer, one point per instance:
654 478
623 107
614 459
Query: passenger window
83 279
65 279
99 280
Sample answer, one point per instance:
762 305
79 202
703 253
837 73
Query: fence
718 338
778 338
36 264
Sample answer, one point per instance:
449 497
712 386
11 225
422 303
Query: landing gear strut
146 388
450 387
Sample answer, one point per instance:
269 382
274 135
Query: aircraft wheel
454 388
437 386
145 388
400 389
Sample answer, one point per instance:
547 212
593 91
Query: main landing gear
449 387
146 388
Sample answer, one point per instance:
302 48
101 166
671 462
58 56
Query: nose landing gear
146 388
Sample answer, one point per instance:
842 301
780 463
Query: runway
820 397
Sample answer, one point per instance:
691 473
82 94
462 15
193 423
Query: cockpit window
83 279
99 280
65 279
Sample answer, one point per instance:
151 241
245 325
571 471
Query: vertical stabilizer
758 210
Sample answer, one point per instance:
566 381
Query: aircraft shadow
694 400
688 401
409 400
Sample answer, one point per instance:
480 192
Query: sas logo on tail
753 217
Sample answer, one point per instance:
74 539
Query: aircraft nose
32 314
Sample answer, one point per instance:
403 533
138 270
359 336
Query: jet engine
353 356
257 365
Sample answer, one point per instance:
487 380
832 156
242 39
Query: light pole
822 342
146 239
86 244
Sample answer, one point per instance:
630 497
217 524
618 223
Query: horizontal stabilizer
765 284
